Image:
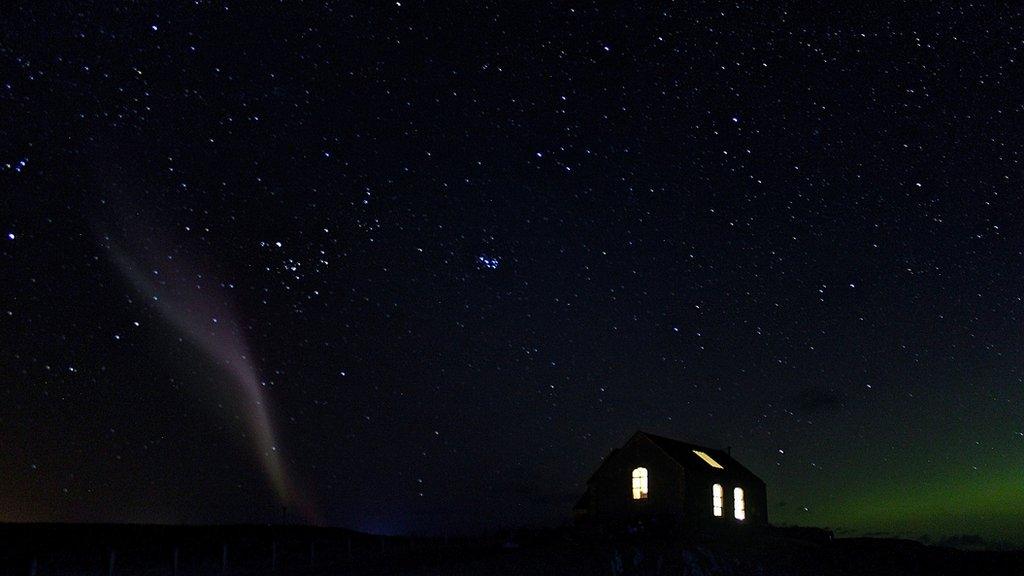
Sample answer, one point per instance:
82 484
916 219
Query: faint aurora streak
185 297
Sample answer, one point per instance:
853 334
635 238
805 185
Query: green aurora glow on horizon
934 493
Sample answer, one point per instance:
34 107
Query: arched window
639 483
716 499
739 509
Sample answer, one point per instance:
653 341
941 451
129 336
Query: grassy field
79 550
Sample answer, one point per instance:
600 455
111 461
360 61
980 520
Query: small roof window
711 461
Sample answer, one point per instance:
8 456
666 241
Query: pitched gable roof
684 453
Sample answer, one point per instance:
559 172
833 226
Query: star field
464 250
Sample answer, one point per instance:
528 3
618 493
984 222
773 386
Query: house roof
683 454
686 455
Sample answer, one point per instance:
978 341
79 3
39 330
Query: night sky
420 267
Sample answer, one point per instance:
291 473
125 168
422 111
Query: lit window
716 498
711 461
738 508
640 484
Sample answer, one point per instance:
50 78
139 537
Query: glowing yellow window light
716 498
738 508
639 483
711 461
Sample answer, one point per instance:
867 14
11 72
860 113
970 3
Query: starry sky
418 267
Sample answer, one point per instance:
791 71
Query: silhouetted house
657 478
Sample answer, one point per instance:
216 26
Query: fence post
174 564
33 567
348 543
224 558
312 552
110 562
273 555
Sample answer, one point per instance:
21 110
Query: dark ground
48 549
